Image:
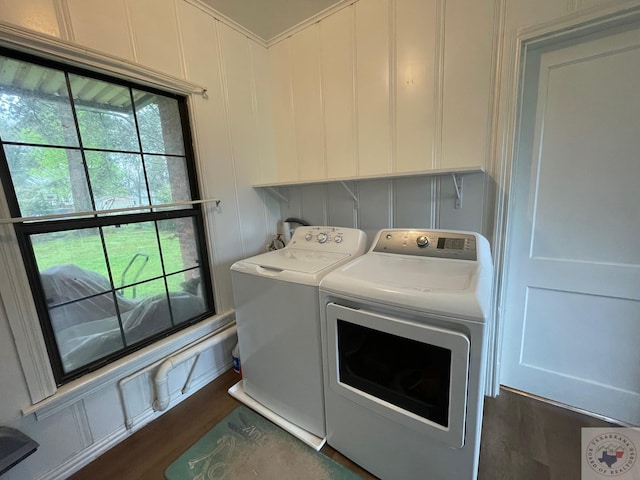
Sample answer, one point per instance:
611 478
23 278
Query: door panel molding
524 365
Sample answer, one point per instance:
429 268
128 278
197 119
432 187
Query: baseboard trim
87 455
548 401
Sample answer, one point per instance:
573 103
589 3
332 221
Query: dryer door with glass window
411 372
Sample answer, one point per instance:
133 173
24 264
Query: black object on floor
15 446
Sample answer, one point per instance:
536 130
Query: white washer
403 331
278 319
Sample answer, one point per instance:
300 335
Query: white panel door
572 294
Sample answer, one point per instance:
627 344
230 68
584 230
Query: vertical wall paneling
283 113
101 25
416 70
467 74
65 24
213 146
58 437
95 405
81 421
589 3
372 90
264 137
376 206
341 209
307 103
522 13
337 68
412 202
438 84
242 117
471 215
37 15
314 203
262 86
162 52
393 90
292 208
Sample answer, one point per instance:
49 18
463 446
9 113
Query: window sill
74 391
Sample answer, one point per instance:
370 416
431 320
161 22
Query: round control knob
322 237
338 239
422 241
308 237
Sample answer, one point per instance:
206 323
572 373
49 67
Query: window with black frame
101 174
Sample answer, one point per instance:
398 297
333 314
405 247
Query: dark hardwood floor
522 439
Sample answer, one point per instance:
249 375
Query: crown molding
309 21
227 21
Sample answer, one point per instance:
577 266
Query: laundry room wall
391 87
378 88
184 40
385 88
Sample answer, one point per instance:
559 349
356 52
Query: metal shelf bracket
457 184
277 194
353 193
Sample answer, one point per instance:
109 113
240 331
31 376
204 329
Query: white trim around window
15 292
53 48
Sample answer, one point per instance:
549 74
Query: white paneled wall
417 79
213 142
280 73
306 82
373 86
37 15
233 143
468 39
378 87
156 42
338 95
102 25
242 117
405 86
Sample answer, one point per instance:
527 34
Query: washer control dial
322 237
308 237
422 241
338 239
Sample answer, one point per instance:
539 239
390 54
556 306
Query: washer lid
297 260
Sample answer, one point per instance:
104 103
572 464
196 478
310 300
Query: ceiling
269 18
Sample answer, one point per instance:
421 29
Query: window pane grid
88 149
108 282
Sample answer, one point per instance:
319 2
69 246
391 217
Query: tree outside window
105 283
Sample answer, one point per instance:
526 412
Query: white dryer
278 319
403 331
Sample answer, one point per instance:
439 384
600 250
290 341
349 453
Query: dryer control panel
427 243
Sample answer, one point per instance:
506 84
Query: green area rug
245 445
